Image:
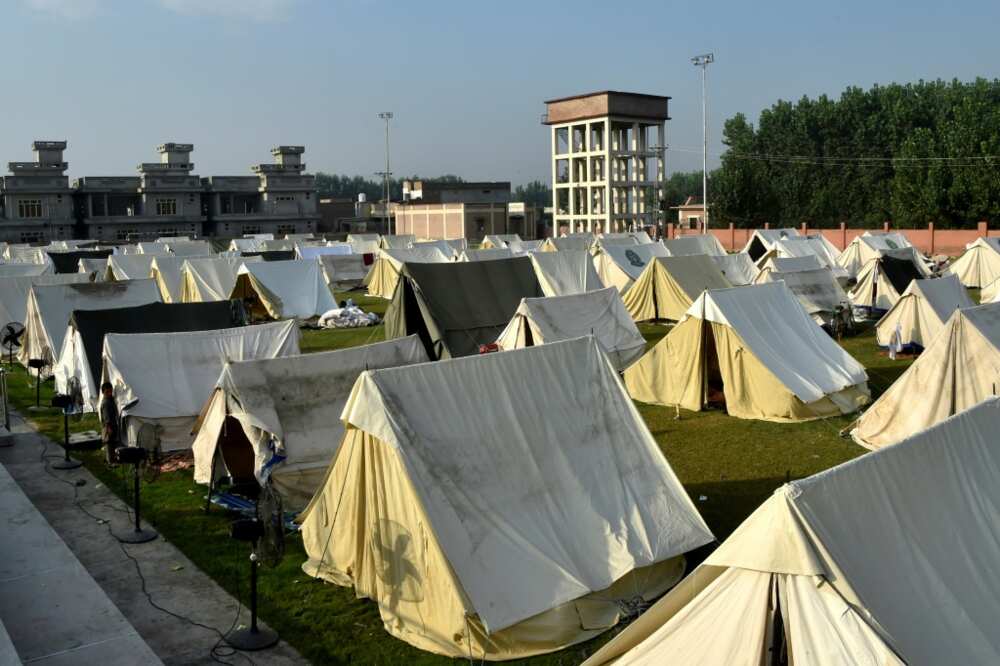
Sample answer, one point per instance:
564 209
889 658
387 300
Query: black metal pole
38 388
136 490
65 436
253 593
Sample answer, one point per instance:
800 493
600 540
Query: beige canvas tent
163 379
384 274
959 367
619 266
343 271
601 313
813 284
738 268
499 241
757 350
396 242
488 254
669 285
279 418
884 560
167 273
210 278
565 272
129 266
922 311
683 246
582 242
763 240
979 265
808 246
867 247
471 563
283 289
883 280
447 249
14 292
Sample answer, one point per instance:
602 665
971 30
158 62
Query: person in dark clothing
110 435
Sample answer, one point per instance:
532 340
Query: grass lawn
733 464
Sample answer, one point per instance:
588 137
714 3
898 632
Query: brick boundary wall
928 241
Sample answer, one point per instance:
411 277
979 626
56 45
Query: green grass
734 464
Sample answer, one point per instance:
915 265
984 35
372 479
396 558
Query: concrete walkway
172 580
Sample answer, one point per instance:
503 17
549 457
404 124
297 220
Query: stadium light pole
704 61
386 116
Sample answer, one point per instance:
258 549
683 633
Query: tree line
910 154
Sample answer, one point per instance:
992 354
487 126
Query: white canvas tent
615 239
316 251
447 249
601 313
697 244
169 278
489 254
14 293
397 241
172 374
384 274
763 240
669 285
921 311
757 349
156 249
979 265
24 270
284 289
814 285
279 418
959 367
25 254
884 278
565 272
887 559
189 248
246 244
49 307
805 246
867 247
494 565
499 240
738 268
129 266
581 242
524 247
343 270
210 278
95 269
619 266
364 243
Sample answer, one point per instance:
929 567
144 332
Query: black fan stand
135 456
252 638
37 364
65 403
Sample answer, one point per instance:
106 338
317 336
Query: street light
704 61
386 116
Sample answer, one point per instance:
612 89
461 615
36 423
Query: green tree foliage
349 187
909 154
535 193
680 186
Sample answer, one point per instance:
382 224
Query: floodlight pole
386 116
704 61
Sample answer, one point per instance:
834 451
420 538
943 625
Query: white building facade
36 202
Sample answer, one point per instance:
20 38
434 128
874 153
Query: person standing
110 435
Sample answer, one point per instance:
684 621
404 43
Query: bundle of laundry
350 316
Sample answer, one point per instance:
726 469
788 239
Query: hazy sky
465 79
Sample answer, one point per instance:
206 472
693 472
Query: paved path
172 580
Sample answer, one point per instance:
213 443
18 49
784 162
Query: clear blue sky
466 79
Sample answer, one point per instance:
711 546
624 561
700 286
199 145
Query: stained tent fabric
24 270
364 243
565 272
25 254
155 249
763 240
620 265
50 306
489 254
447 249
288 411
384 274
245 244
524 247
738 268
669 285
808 246
171 375
457 306
958 368
189 248
758 347
69 262
886 559
813 285
129 266
167 271
883 280
95 269
14 293
80 354
600 313
343 271
921 311
271 255
979 265
284 289
684 246
207 279
499 240
313 252
489 565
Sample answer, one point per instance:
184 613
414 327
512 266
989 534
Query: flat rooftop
607 103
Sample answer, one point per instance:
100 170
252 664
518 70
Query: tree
535 193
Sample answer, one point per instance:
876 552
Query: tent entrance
237 454
714 389
756 249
